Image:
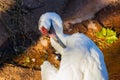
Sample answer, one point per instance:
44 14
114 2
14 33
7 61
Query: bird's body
81 59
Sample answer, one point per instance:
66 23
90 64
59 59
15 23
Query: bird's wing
69 72
79 40
48 71
93 57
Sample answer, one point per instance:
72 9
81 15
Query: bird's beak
52 32
53 35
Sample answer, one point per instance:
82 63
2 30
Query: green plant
109 35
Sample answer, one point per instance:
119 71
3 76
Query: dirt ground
23 49
11 72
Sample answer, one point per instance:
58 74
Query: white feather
81 59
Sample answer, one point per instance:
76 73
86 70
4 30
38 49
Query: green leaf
109 35
111 32
111 39
99 35
103 31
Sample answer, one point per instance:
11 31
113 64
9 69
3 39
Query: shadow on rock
16 45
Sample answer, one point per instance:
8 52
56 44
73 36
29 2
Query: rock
32 3
77 11
6 4
3 34
32 17
28 13
110 17
88 27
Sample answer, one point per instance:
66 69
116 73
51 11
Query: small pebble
33 59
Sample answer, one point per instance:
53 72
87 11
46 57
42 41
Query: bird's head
44 24
50 24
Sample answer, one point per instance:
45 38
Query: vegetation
108 35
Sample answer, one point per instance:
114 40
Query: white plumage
81 59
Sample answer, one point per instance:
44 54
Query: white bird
81 58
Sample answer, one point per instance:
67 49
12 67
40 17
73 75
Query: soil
23 49
11 72
112 56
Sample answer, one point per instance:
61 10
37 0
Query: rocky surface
20 24
11 72
3 34
24 15
110 17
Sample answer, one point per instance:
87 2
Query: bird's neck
57 45
59 32
62 37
